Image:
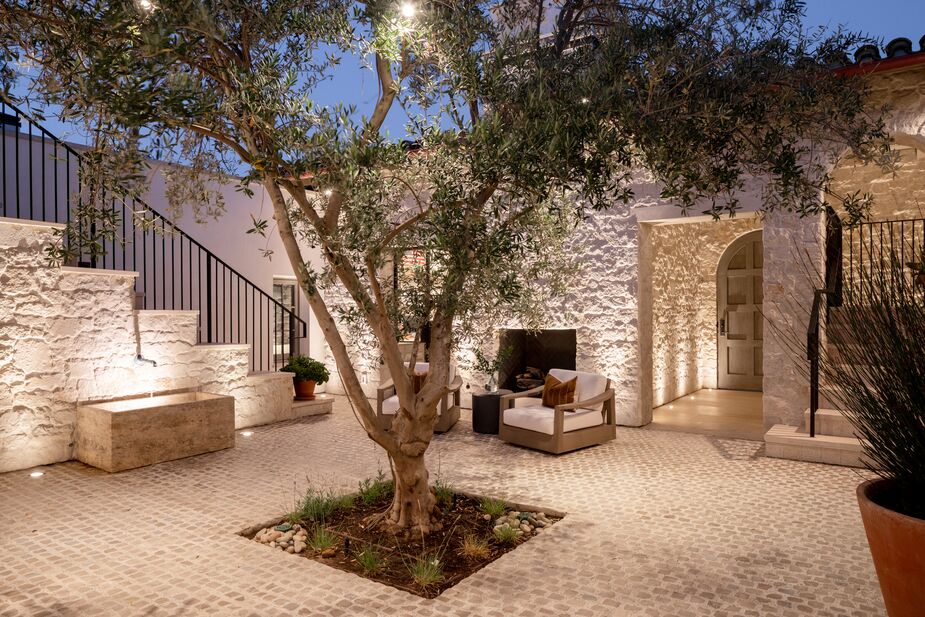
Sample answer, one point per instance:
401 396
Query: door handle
722 323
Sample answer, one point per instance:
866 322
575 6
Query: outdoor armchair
587 421
447 410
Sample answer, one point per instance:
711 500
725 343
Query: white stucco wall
68 335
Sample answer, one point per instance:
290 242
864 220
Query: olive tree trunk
413 506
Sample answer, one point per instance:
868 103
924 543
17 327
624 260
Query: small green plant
474 547
426 570
294 517
322 538
307 369
505 534
373 490
369 559
444 493
493 507
318 505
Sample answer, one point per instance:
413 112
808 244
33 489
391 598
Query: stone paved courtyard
659 523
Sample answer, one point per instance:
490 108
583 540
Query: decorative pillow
417 381
557 392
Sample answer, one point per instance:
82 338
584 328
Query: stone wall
792 258
70 334
683 282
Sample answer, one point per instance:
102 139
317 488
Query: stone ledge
96 271
829 422
783 441
30 223
270 375
322 404
166 312
223 346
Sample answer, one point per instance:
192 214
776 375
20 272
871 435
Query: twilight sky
882 19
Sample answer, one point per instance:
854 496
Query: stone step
828 422
323 403
789 442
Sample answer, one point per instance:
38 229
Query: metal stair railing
39 181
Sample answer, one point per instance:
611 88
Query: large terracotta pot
897 544
304 390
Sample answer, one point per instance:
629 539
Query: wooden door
740 326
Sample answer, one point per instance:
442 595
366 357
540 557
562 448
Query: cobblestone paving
659 523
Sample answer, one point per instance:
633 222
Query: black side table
486 411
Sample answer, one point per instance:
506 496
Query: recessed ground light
247 433
671 407
37 474
408 10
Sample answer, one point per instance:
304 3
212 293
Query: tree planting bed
345 532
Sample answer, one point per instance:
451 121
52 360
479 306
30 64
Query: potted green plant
878 380
487 365
306 373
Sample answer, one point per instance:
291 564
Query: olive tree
524 117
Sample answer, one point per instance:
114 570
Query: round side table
486 411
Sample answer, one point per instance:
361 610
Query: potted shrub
487 365
306 372
878 380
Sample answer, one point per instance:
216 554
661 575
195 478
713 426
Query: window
285 292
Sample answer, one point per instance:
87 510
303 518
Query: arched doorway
740 327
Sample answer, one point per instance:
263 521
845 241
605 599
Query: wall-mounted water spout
139 360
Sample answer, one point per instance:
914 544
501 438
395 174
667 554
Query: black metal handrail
831 295
39 179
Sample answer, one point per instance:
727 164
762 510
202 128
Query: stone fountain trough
129 433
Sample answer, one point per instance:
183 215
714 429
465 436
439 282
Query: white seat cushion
587 387
390 406
424 367
541 419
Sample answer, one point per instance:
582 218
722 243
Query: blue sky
882 19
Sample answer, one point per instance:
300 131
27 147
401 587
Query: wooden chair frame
446 419
561 441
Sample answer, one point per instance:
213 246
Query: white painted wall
227 237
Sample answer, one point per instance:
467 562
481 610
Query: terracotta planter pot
897 544
304 390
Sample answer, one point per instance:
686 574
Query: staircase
40 181
825 435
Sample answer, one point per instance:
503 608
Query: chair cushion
424 367
390 406
557 392
541 419
589 384
417 381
